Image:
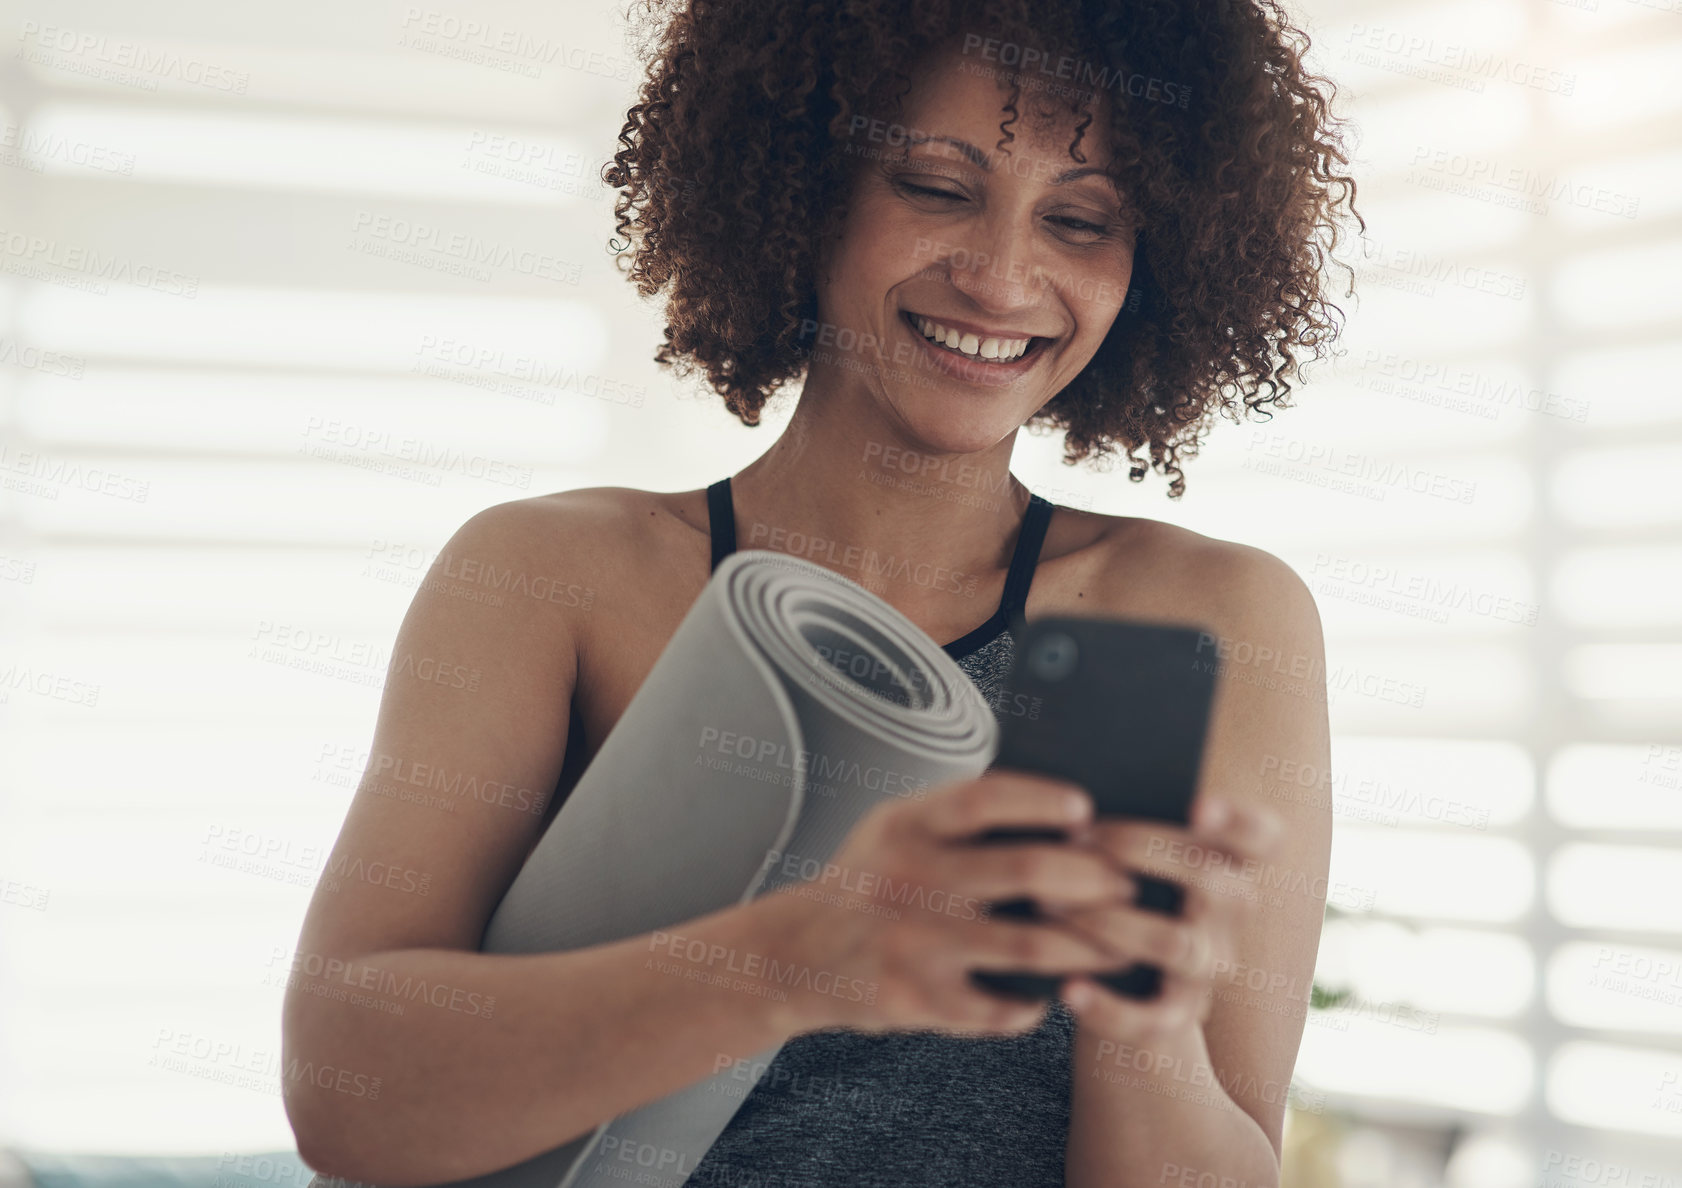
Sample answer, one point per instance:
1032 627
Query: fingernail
1217 813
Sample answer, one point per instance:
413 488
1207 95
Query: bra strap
721 519
1026 557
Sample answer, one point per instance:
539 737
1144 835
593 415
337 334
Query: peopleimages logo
1025 59
755 973
382 232
1529 189
41 41
36 473
871 885
410 989
434 30
817 770
1582 1170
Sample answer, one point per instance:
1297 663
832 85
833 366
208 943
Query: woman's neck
845 492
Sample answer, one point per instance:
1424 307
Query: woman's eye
933 193
1081 226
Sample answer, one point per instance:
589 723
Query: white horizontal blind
285 296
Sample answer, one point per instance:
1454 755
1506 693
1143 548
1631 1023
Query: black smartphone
1121 708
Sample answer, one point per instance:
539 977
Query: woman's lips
987 372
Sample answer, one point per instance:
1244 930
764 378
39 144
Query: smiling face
978 246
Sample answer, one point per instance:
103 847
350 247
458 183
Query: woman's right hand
902 907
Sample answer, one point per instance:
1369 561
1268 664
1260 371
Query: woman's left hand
1216 862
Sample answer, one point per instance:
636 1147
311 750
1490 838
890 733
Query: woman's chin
957 427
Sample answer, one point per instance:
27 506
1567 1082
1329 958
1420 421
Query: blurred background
288 292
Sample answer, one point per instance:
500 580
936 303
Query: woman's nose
992 262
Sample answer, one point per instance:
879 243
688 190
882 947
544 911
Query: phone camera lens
1053 656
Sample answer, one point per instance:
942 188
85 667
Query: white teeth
997 349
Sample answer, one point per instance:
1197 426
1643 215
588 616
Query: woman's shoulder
582 508
589 525
596 563
1135 564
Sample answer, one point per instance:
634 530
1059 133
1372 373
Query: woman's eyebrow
981 159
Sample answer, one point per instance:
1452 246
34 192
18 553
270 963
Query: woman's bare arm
493 1058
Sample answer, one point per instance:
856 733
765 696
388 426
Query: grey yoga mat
788 703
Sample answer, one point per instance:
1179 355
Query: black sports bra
721 515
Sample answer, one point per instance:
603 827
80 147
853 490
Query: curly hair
736 165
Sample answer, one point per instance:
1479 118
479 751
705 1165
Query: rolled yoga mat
789 702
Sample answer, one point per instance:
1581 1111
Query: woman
950 221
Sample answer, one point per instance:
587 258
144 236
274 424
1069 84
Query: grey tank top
909 1109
